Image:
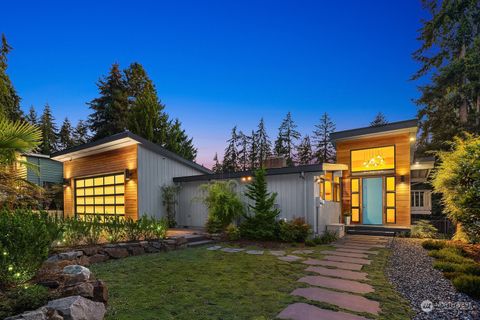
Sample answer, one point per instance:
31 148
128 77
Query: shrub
223 203
433 244
160 228
94 230
151 228
472 268
450 254
446 266
423 229
133 230
468 284
169 201
310 243
114 229
232 232
25 241
75 231
262 225
23 299
296 230
326 238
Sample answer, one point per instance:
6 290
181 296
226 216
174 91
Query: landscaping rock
151 249
100 291
80 272
90 251
231 250
83 261
214 248
338 273
277 253
290 258
303 251
337 284
84 289
53 258
254 252
179 241
52 284
78 308
71 255
303 311
39 314
98 258
341 265
347 259
160 245
135 250
117 253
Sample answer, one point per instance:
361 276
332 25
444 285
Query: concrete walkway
339 281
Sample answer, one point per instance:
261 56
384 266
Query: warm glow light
412 139
382 158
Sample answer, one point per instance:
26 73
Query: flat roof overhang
420 169
406 126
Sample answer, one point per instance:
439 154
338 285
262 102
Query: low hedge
433 244
468 284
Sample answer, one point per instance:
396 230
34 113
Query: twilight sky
217 64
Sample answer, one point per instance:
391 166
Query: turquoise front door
372 194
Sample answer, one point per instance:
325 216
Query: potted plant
346 217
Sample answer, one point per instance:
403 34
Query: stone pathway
338 281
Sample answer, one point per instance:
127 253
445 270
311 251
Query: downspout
302 175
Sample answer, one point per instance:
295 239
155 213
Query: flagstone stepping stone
326 263
304 311
231 250
338 273
348 259
347 246
290 258
363 244
277 252
214 248
339 284
256 252
303 251
343 300
356 251
345 254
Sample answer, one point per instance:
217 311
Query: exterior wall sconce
402 178
66 182
245 179
128 175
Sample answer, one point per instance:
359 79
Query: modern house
44 172
122 175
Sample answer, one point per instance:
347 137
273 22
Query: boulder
78 308
84 289
98 258
71 255
100 291
117 253
160 245
78 271
135 250
151 249
52 284
53 258
90 251
83 261
180 241
39 314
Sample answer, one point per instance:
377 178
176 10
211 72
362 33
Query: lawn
200 284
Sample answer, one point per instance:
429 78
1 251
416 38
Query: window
418 198
101 195
355 191
390 199
373 159
330 187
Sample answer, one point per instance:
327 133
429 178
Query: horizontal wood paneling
104 163
402 167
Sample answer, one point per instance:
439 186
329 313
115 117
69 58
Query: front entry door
372 200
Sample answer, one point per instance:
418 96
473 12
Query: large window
373 159
100 195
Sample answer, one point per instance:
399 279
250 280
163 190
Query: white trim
113 145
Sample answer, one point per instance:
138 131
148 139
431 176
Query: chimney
274 162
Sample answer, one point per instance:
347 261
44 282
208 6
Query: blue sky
217 64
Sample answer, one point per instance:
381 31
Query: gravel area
411 272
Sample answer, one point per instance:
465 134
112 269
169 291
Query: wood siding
104 163
402 167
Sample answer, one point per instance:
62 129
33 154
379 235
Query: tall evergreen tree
80 133
324 149
65 136
110 109
450 58
32 116
217 166
179 142
230 158
49 131
379 120
304 153
243 151
9 100
287 137
253 151
263 142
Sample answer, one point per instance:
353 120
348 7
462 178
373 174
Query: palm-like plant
16 138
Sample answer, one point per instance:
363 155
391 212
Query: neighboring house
122 175
44 172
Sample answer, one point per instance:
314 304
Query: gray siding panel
48 171
155 171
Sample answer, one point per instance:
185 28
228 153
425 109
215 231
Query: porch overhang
420 169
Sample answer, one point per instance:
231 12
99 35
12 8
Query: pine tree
80 133
253 151
263 142
324 151
9 100
304 151
287 136
230 158
65 136
49 131
32 116
243 151
450 57
110 109
379 120
178 141
217 167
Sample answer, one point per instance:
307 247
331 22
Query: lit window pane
328 190
110 180
88 182
120 178
109 190
80 183
110 209
98 209
355 215
99 191
382 158
89 209
89 192
390 215
120 209
337 179
88 200
390 199
80 192
390 183
355 187
119 189
80 209
119 200
80 200
109 200
98 181
98 200
355 200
